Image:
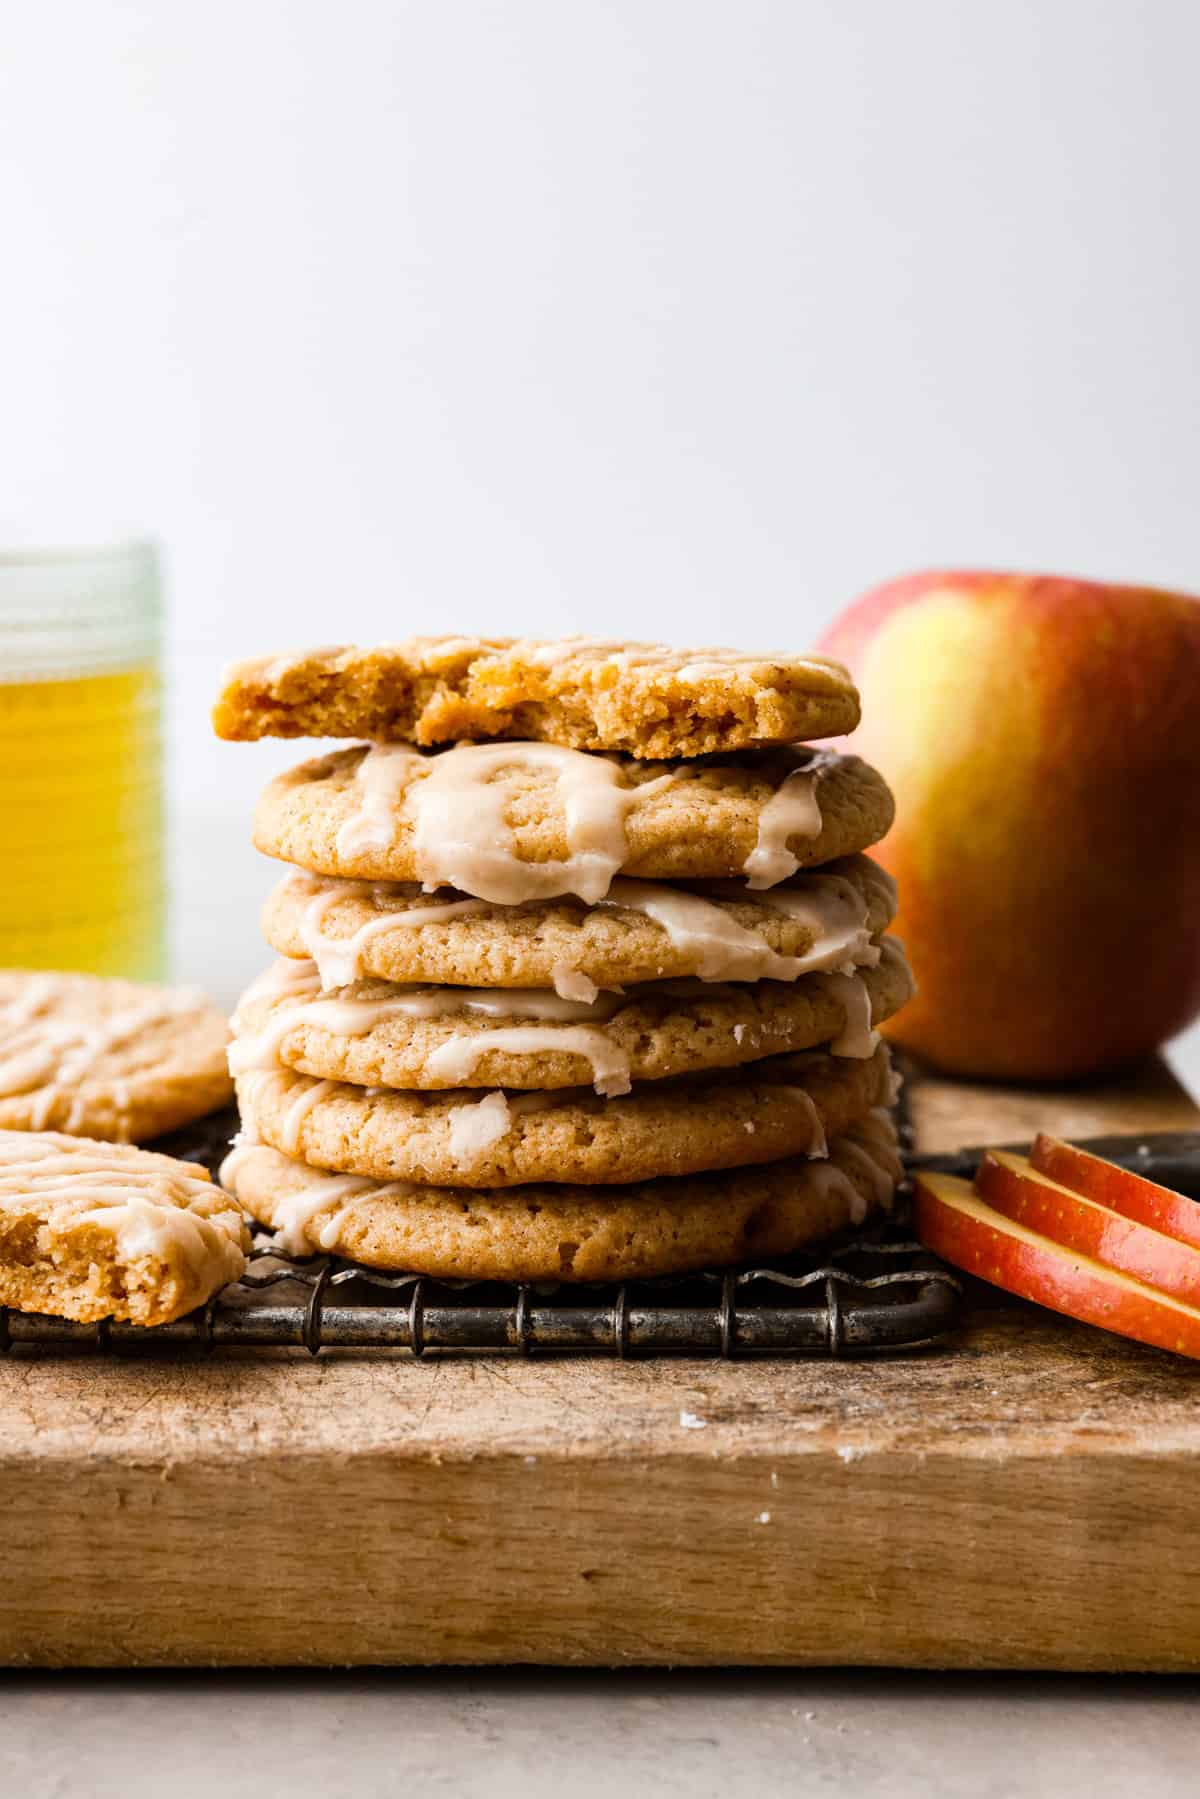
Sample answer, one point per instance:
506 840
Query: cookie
783 1106
107 1058
583 693
571 1233
375 1035
524 821
99 1230
642 931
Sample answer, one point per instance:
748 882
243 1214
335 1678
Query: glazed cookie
99 1230
584 693
783 1106
107 1058
571 1233
513 822
642 931
430 1038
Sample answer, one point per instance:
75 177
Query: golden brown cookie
571 1233
523 821
783 1106
99 1230
107 1058
583 693
643 931
430 1038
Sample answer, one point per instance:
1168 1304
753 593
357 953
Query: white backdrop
652 316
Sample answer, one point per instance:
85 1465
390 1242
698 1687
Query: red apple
962 1228
1119 1188
1042 737
1014 1187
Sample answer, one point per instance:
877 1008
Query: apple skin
1174 1214
1042 738
963 1229
1013 1186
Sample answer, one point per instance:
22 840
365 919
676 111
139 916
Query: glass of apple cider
81 788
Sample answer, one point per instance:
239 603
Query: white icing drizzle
882 1181
261 1049
296 1211
832 1181
819 1147
792 811
455 1061
339 959
565 649
569 983
856 1037
44 1050
475 1126
458 801
870 1148
355 1017
272 670
381 778
292 978
146 1206
707 664
830 905
463 838
297 1112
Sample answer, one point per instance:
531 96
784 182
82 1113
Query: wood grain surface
1028 1498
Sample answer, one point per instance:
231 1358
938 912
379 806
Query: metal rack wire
872 1292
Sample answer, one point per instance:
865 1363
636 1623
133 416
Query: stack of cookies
580 960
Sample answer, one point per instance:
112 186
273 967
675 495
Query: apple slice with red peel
1118 1188
962 1228
1015 1187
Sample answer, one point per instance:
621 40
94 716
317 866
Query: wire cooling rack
871 1292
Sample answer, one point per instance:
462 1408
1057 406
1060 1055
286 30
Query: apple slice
1118 1188
1014 1187
964 1229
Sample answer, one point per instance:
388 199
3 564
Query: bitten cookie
571 1233
783 1106
642 931
107 1058
583 693
431 1038
522 821
99 1230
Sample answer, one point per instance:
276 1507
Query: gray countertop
539 1734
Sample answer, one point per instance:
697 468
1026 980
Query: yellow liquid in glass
81 824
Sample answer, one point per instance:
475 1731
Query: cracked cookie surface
644 699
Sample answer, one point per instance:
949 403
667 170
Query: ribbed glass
81 790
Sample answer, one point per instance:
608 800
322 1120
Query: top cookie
584 693
107 1058
512 822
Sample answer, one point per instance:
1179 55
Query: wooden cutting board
1028 1498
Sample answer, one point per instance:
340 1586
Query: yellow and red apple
1042 737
